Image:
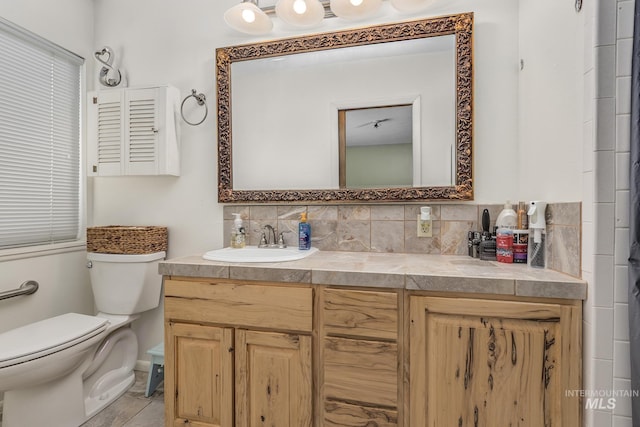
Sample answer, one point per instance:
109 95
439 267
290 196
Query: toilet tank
125 284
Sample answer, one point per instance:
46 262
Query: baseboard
142 365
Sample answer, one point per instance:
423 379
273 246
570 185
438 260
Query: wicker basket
129 240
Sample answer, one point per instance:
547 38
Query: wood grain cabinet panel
273 379
488 363
199 367
361 371
367 314
340 414
242 304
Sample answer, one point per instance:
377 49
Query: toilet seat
48 336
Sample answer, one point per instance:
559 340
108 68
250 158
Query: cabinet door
200 366
273 379
141 132
493 363
105 121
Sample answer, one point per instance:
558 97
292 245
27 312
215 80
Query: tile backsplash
392 228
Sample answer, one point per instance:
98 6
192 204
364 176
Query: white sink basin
256 254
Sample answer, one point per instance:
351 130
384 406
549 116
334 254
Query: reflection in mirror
285 97
376 147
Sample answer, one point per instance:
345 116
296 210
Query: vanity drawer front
240 304
368 314
340 414
361 371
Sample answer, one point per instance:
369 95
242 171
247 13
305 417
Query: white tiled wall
606 206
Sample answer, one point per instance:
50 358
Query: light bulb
300 13
355 9
299 7
247 18
248 15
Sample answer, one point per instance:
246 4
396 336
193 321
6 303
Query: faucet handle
263 240
281 243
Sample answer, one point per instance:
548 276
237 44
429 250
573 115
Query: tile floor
132 409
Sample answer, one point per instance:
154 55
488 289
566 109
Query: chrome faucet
272 233
268 238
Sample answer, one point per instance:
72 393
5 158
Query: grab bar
27 288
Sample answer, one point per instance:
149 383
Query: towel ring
200 99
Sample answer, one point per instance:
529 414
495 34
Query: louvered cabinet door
106 124
141 132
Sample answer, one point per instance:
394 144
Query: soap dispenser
238 235
304 233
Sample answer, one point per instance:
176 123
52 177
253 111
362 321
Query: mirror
287 103
376 147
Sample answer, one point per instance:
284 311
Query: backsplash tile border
392 228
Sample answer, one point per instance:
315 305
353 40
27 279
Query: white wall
63 278
550 101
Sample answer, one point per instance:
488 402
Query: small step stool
156 370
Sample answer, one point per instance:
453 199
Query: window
40 173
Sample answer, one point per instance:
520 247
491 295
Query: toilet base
111 373
72 399
57 403
93 405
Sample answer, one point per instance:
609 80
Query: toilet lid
47 336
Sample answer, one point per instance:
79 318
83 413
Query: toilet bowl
61 371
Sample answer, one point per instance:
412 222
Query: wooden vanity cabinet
255 354
238 354
479 362
360 357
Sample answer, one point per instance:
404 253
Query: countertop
444 273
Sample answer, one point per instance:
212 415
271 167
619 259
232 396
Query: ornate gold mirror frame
461 25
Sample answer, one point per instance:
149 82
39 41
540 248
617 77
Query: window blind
40 86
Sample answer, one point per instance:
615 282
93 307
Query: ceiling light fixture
300 13
355 9
247 17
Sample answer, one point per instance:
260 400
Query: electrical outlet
425 228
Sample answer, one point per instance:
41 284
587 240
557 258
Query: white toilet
61 371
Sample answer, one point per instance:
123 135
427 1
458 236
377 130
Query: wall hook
109 75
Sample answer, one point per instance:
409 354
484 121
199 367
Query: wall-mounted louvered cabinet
134 131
